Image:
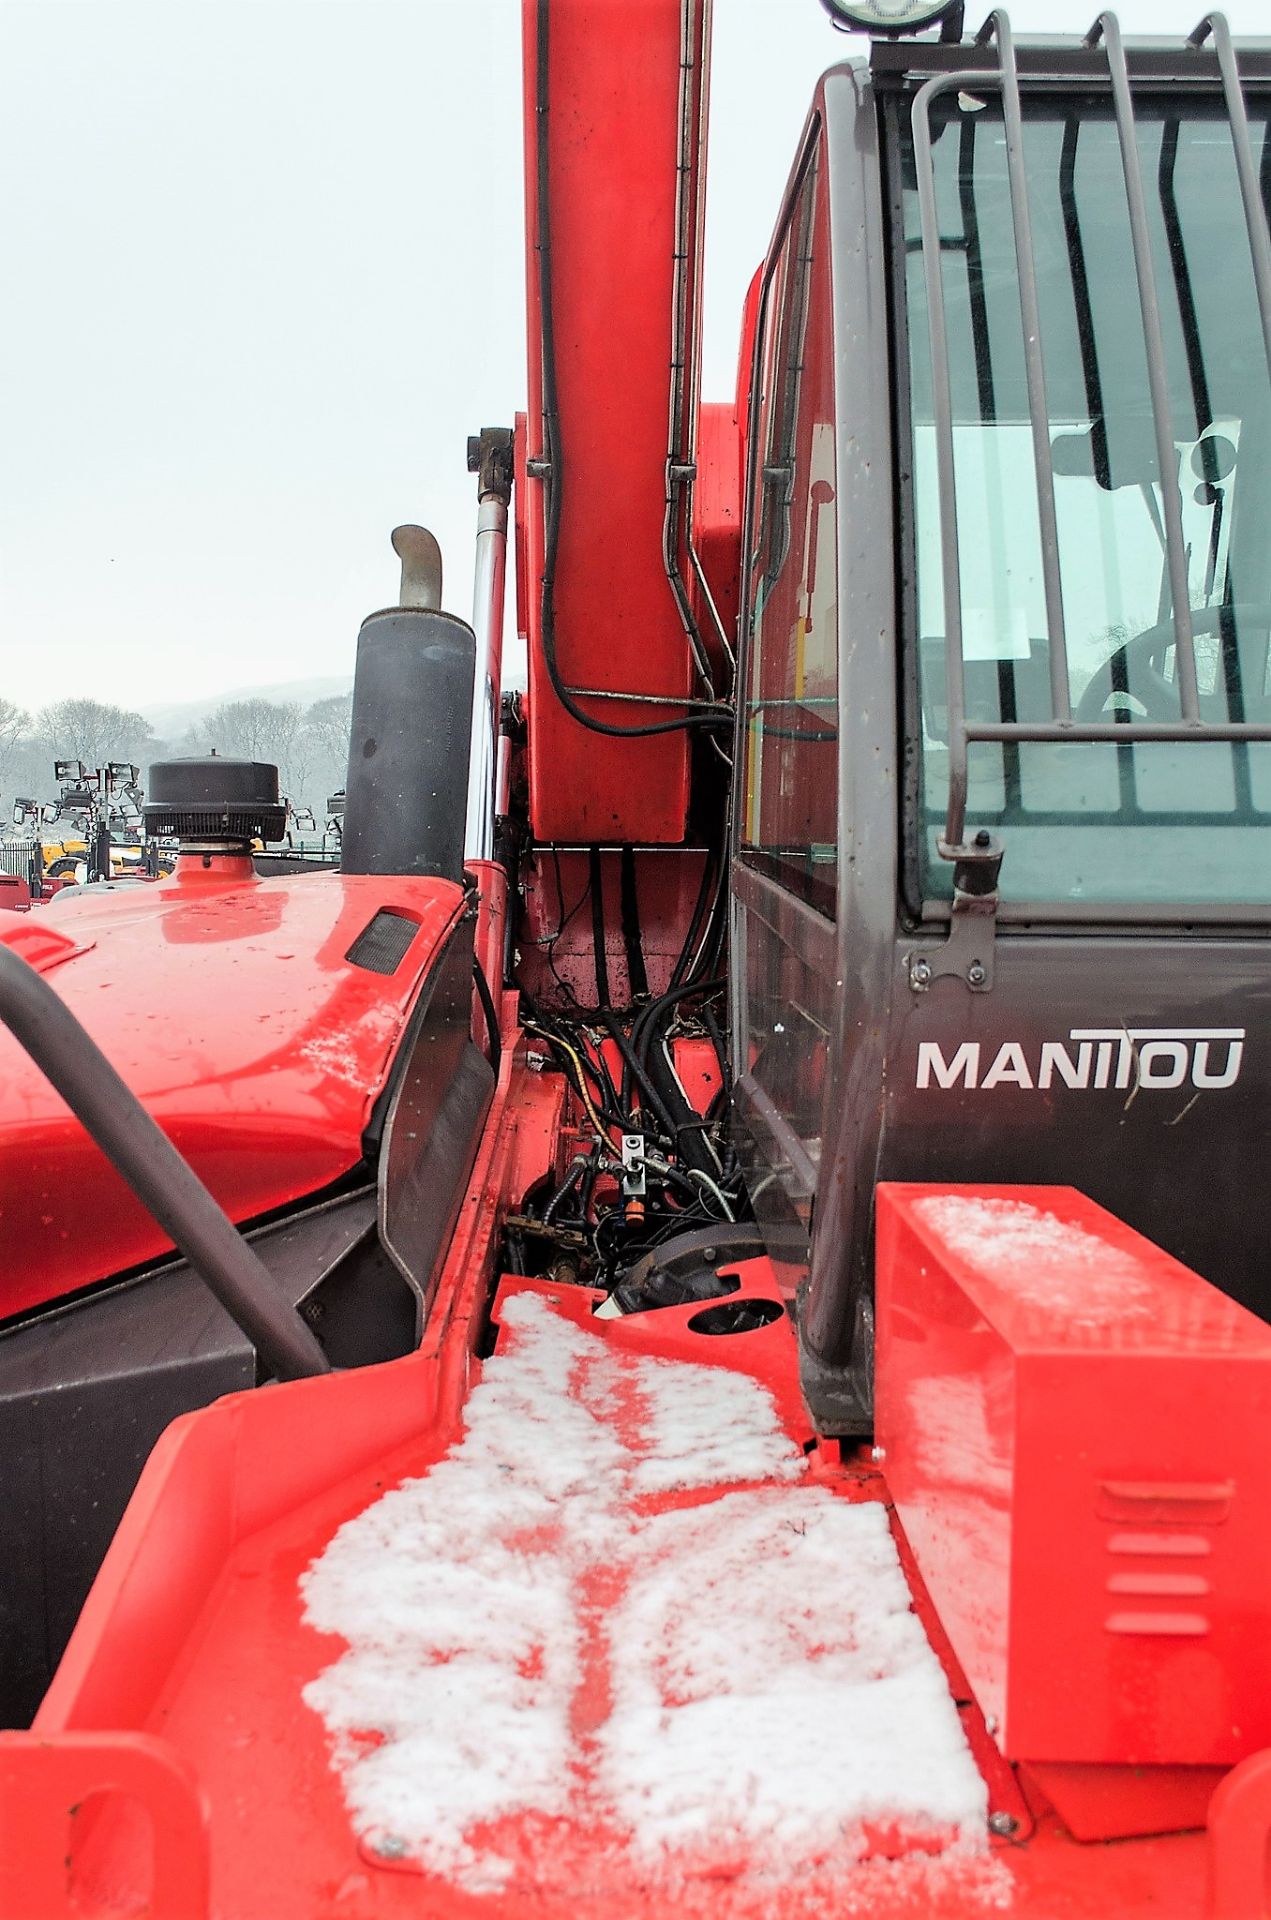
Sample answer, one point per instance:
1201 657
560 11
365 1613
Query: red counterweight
1074 1432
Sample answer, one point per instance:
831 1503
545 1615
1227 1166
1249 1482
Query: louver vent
381 945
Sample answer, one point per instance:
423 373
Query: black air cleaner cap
210 798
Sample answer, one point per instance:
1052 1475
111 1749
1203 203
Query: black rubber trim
491 1017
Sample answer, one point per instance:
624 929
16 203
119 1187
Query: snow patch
355 1055
1039 1259
708 1425
455 1592
335 1056
785 1696
766 1695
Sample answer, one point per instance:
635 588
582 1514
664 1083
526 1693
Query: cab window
1145 823
789 784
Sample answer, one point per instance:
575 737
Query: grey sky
263 276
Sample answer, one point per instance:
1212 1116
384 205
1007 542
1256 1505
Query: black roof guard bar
1061 727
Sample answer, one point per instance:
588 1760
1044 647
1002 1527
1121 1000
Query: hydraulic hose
636 1068
166 1184
687 1126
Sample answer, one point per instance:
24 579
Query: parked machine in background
744 1187
93 830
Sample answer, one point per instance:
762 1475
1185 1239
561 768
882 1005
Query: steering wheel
1139 663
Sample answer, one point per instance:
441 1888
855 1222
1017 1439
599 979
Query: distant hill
171 722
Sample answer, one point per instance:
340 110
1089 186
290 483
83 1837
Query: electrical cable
704 1180
615 1111
710 945
712 1027
613 1100
702 1125
710 954
681 967
580 1084
648 1019
550 944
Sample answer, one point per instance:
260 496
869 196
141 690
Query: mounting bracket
968 953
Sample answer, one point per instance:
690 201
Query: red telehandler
688 1332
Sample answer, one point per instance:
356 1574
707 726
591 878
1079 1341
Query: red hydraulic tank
1074 1430
611 125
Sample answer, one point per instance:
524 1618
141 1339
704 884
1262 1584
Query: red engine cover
230 1006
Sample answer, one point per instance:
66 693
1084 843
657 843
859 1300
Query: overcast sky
263 275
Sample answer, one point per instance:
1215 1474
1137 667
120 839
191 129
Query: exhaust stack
420 555
407 787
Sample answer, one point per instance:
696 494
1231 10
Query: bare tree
330 721
94 732
13 724
255 729
300 758
327 726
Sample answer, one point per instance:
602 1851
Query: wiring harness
647 1165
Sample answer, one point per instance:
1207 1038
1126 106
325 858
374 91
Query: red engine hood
229 1005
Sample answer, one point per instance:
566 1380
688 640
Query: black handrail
166 1184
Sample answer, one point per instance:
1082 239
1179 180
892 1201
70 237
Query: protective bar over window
1177 622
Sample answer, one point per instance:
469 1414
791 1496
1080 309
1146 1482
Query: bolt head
878 1455
922 970
1003 1823
975 974
389 1847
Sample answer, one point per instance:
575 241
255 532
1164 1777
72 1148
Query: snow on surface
731 1687
785 1685
354 1053
336 1057
1041 1260
706 1425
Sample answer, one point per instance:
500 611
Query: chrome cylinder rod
491 455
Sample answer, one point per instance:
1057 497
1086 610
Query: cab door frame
817 1211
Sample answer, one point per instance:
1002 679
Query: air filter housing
210 799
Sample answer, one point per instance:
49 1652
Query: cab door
785 800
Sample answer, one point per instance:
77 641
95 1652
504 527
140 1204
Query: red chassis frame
194 1624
